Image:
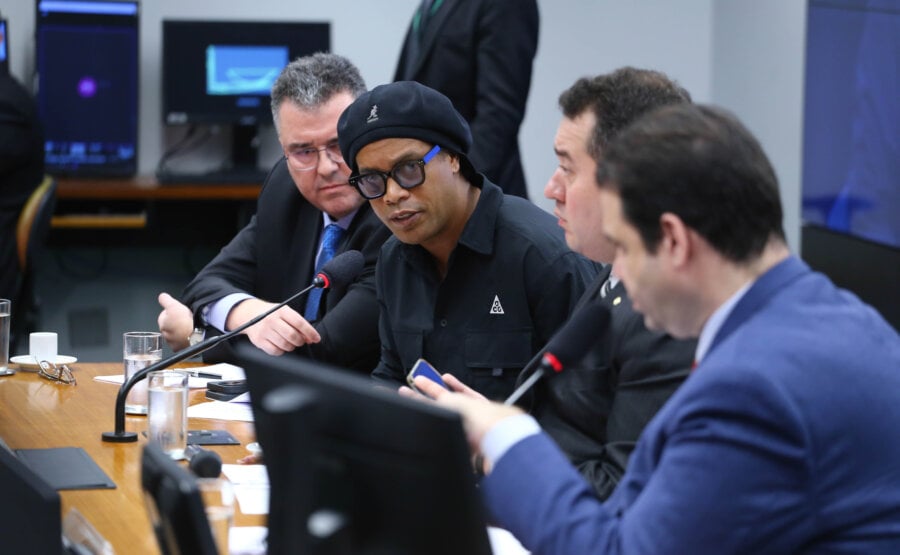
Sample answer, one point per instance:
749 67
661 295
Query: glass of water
218 500
5 313
167 416
140 350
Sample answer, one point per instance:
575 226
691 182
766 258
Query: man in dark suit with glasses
306 213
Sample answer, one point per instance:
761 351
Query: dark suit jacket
596 411
479 53
273 257
21 171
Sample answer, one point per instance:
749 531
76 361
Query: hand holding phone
423 368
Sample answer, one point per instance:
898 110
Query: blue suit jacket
786 439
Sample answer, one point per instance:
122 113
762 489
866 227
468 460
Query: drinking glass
5 315
140 350
218 500
167 416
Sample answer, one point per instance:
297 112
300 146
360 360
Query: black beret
407 110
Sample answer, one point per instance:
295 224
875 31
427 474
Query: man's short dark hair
701 164
618 98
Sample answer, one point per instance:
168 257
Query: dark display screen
87 67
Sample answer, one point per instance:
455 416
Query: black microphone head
342 269
205 463
576 336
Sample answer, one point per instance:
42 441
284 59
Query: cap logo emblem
373 114
496 307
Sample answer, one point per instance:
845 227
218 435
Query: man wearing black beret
473 280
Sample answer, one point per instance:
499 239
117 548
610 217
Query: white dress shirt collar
714 323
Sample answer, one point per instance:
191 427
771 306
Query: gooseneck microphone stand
120 435
340 269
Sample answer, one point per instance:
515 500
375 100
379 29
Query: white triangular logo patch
497 308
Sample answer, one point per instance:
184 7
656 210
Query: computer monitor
4 46
355 468
221 72
174 505
30 516
87 85
851 121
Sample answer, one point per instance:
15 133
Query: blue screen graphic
238 70
3 54
851 162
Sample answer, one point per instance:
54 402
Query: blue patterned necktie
330 239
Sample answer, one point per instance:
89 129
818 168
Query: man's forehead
304 131
575 130
391 147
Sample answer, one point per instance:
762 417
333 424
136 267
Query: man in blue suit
785 438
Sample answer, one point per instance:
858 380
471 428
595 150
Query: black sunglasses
407 174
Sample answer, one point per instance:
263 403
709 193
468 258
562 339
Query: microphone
203 462
340 270
566 347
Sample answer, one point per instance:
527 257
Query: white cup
42 345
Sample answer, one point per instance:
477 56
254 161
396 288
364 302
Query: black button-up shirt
511 282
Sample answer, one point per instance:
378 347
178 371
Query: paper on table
227 371
251 486
247 540
242 398
220 410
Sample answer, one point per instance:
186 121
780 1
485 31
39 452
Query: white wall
744 54
758 68
589 37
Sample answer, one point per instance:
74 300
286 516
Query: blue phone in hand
423 368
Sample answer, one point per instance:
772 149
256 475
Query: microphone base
119 437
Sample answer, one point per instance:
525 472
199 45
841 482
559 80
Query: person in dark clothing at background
478 53
21 171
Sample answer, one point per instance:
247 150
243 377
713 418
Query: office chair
31 235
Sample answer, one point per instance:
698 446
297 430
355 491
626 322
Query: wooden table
38 413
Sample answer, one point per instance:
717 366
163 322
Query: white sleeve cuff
507 433
216 313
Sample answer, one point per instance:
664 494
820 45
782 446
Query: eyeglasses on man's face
55 373
307 157
407 174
